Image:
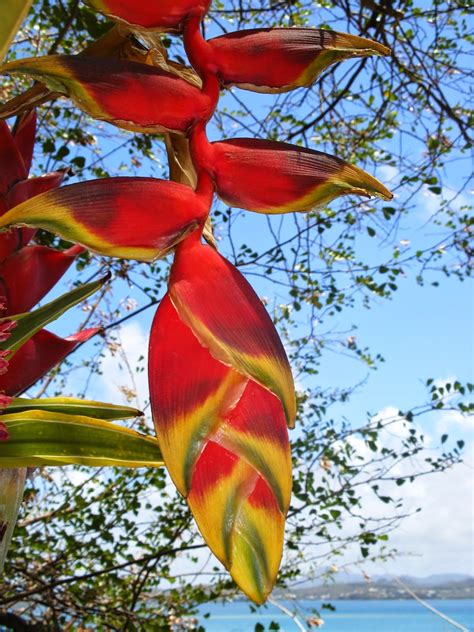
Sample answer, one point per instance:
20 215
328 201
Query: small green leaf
39 438
72 406
31 322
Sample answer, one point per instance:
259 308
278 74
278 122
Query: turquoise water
350 616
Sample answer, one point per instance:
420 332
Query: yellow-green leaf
73 406
31 322
13 14
39 438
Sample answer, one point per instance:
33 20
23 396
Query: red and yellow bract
151 14
282 59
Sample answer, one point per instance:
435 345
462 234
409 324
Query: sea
348 616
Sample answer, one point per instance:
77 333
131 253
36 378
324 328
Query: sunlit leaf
73 406
13 14
46 438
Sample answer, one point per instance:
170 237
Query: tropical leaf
224 313
282 59
296 178
13 14
225 443
133 218
31 322
73 406
131 95
39 438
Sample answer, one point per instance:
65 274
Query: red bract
130 95
282 59
226 443
38 356
98 214
151 14
16 150
226 315
29 274
296 178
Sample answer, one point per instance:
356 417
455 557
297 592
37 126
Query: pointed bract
220 306
151 14
24 134
282 59
12 168
225 443
295 178
29 274
30 187
131 95
133 218
38 356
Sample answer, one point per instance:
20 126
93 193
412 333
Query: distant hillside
433 587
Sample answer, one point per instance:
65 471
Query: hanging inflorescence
221 387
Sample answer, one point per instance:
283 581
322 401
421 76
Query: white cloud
440 537
120 381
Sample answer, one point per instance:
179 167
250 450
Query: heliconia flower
38 356
282 59
225 443
29 274
133 96
272 177
132 218
225 314
151 14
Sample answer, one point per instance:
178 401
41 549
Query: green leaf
72 406
12 483
31 322
39 438
13 14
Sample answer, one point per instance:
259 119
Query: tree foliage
105 549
